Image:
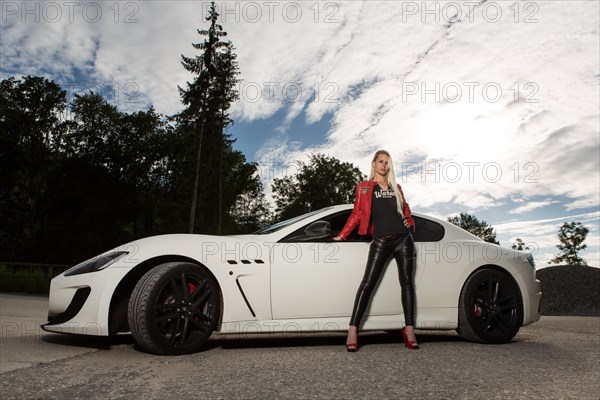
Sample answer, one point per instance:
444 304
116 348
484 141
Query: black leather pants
403 248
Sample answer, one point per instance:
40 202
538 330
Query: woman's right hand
336 238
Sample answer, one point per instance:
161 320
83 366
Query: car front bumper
80 304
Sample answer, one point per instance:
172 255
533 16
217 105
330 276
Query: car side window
337 222
427 230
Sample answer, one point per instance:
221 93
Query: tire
490 308
174 309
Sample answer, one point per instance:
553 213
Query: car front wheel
174 308
490 309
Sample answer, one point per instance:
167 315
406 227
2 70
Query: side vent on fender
257 261
237 281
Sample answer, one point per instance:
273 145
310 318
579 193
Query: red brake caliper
477 311
193 287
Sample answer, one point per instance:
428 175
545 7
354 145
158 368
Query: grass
28 278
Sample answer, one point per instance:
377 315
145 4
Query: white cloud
554 223
389 77
532 206
545 146
541 235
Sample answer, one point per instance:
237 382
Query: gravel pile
572 290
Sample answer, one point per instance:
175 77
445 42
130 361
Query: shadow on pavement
90 342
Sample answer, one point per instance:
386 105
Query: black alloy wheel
174 308
491 307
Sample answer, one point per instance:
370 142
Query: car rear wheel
174 308
490 309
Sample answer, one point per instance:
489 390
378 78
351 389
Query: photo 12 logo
471 171
270 171
470 11
455 252
126 12
454 92
267 251
288 92
275 11
120 94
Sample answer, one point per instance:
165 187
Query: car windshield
287 222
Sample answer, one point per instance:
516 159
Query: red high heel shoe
409 343
352 347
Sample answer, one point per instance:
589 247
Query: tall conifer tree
207 99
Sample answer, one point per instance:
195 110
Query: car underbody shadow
87 341
294 339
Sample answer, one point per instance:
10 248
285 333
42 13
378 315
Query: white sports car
172 291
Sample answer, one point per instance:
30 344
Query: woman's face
381 164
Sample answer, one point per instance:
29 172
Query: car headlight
96 264
531 260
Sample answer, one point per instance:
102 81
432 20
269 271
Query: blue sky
487 107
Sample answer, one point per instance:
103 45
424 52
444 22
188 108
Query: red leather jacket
362 211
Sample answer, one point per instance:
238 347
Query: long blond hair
390 178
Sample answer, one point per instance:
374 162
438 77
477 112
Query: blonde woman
380 210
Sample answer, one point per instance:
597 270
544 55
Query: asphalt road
555 358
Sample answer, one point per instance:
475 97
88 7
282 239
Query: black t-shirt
384 213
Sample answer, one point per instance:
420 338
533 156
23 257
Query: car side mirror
318 230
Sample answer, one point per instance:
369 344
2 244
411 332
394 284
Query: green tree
323 182
471 224
139 159
97 124
239 179
112 181
571 236
31 135
207 99
76 183
519 245
225 94
251 211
